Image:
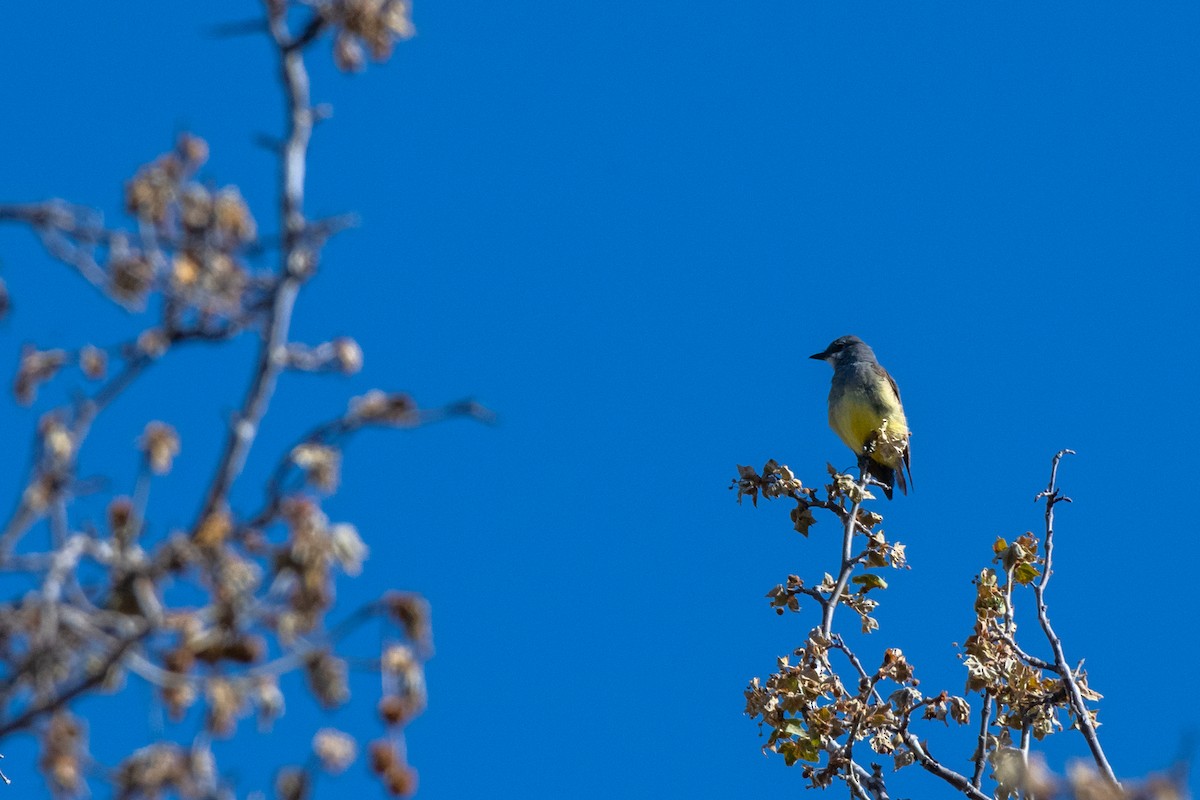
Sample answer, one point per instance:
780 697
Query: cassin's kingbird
862 396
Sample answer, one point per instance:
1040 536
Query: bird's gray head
845 349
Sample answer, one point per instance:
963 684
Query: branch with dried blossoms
812 720
317 456
261 586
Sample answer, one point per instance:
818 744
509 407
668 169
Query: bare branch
985 717
933 766
1083 716
849 562
840 644
1031 660
70 233
312 29
337 431
871 781
296 264
245 27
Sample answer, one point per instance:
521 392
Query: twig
1010 624
856 789
141 497
69 233
313 29
1031 660
339 429
295 264
318 232
1082 716
848 561
838 643
245 27
84 414
932 765
872 781
93 678
868 688
985 715
815 502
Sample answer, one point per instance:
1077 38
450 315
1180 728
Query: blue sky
623 227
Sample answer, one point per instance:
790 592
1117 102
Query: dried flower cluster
36 367
823 721
164 767
1028 693
259 583
367 26
193 236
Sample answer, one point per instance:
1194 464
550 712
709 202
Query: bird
861 398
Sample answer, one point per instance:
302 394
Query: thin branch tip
469 407
246 27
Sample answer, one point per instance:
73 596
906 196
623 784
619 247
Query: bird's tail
886 475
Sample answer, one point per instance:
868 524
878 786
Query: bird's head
843 348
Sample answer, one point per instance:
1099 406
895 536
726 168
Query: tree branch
1029 659
69 233
1083 717
337 431
295 264
93 678
84 413
980 759
848 560
932 765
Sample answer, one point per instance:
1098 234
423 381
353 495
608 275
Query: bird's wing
896 389
891 381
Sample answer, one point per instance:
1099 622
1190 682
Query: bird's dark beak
820 356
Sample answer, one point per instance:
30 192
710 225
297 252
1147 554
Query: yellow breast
855 416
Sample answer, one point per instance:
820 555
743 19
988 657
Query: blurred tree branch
297 261
261 585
